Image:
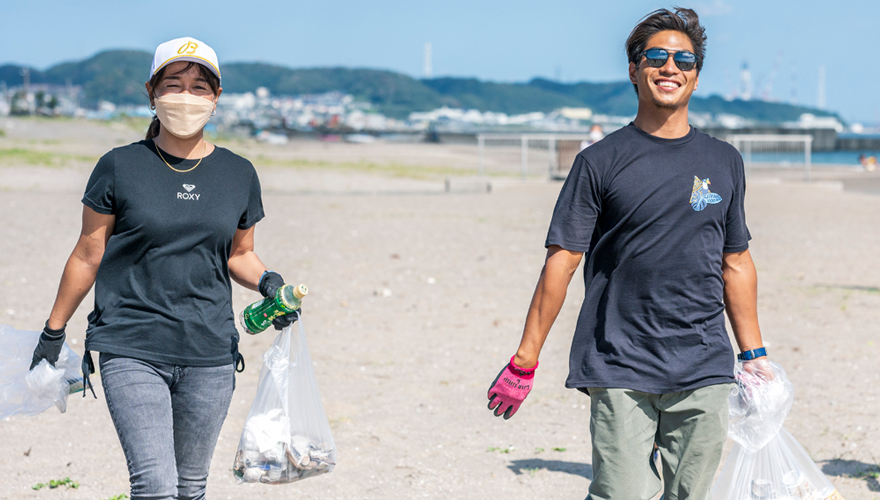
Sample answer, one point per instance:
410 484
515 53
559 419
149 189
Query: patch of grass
2 133
38 118
501 450
337 421
136 123
121 496
847 289
223 138
559 449
390 169
871 473
44 142
26 156
21 156
539 450
54 483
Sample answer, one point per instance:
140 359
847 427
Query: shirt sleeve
737 234
254 211
577 209
100 193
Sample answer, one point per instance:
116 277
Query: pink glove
510 389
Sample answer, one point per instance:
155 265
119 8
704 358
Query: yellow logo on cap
189 48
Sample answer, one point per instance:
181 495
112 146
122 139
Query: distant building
577 113
40 99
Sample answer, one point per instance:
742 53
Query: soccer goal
530 155
764 151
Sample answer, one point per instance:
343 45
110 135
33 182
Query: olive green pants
688 427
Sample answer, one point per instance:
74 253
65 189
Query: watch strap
752 354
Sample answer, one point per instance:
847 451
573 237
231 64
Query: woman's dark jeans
168 418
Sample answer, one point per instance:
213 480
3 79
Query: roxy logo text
188 195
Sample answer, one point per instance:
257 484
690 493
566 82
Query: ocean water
817 158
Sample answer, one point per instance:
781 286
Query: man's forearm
741 299
546 303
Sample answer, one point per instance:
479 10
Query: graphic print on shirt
188 195
700 196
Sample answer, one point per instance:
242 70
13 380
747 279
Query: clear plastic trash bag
24 392
782 470
286 436
766 462
759 402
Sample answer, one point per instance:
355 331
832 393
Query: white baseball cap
185 49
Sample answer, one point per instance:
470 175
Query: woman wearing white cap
166 223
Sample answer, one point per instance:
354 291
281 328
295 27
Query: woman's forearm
246 269
82 265
76 281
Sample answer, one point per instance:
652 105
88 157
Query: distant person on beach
167 222
657 207
869 163
596 135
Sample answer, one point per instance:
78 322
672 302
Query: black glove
270 282
282 322
49 347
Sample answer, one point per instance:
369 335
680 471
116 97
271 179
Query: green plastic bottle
258 316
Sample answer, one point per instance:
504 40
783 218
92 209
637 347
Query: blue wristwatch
754 353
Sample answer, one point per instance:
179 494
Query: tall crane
768 89
745 81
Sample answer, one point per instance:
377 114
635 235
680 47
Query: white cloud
715 9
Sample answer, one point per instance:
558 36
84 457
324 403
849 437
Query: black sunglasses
656 58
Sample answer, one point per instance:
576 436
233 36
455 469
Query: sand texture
417 299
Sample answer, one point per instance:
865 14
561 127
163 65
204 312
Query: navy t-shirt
163 291
654 217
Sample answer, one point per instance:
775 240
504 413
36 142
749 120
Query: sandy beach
418 296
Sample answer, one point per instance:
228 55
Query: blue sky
508 41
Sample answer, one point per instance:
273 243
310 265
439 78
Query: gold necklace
204 148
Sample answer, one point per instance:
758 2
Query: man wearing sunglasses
657 207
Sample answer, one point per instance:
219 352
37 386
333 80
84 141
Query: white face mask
183 115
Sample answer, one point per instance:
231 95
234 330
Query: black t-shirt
163 291
654 217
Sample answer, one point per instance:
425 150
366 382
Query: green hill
510 98
755 110
392 93
118 76
115 75
615 98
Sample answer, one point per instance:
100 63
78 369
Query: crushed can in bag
286 436
781 470
258 316
767 462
